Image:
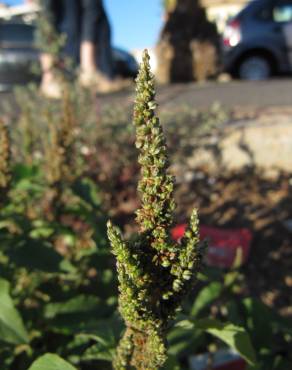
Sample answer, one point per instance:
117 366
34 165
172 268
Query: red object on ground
233 365
224 244
223 359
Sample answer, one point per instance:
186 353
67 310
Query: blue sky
135 23
11 2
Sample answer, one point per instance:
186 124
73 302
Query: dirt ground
249 199
264 207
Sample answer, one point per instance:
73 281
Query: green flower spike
5 156
154 273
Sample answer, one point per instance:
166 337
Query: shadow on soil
246 199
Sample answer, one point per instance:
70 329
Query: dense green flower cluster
60 155
154 273
5 175
60 151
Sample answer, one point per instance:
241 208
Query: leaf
26 178
86 322
106 336
263 323
234 336
172 364
12 329
88 191
185 324
80 303
22 171
35 255
100 343
207 295
67 266
99 352
41 232
184 342
50 361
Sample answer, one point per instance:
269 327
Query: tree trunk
188 44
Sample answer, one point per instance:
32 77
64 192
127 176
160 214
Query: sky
135 23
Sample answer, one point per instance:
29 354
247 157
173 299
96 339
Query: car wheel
254 68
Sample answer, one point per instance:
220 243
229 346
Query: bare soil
264 207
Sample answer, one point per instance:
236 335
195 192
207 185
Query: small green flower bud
187 275
177 285
152 105
165 263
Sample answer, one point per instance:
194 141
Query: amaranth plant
155 274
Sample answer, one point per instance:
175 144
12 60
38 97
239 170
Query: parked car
257 43
18 54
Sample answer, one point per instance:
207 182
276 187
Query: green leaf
184 339
234 336
88 191
103 334
100 343
85 322
106 336
172 364
51 362
185 324
35 255
263 323
99 352
80 303
206 296
22 171
41 230
12 329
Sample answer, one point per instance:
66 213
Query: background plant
58 267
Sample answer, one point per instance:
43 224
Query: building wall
219 11
25 10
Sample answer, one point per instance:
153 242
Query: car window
264 9
16 34
282 12
265 14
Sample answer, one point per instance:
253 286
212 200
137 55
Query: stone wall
264 145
